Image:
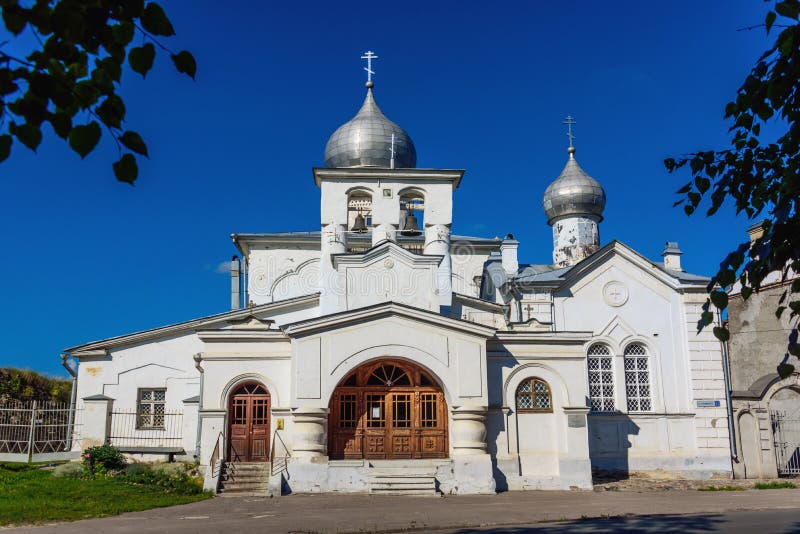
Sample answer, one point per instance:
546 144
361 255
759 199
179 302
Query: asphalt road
760 522
753 511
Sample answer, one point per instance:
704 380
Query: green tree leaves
126 169
73 74
760 177
133 141
184 62
5 146
83 139
141 58
155 20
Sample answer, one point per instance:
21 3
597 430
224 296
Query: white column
437 243
574 467
383 232
96 420
472 465
308 433
333 241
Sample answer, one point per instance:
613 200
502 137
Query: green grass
32 495
775 485
721 488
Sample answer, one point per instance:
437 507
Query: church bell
359 225
411 226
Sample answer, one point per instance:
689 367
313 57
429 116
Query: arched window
637 378
601 378
533 395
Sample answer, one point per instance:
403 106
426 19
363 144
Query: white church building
381 352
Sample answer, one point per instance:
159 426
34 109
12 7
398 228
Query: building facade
382 344
766 407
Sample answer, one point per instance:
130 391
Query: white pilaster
437 243
333 242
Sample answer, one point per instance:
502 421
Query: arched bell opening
249 423
412 213
359 211
389 409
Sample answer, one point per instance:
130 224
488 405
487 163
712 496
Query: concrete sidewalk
365 513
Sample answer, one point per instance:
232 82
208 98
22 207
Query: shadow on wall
610 444
655 524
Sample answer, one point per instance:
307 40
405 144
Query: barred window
637 378
533 395
150 409
601 378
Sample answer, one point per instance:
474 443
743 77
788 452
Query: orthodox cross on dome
369 55
569 121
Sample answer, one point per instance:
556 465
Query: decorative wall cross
369 55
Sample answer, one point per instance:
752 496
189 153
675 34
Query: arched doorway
387 410
248 423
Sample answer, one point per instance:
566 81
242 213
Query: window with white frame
601 378
637 378
150 408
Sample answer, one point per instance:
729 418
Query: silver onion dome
574 193
366 141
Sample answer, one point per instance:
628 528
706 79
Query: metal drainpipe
197 359
72 399
243 273
727 372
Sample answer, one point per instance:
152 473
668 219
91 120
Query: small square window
387 193
150 409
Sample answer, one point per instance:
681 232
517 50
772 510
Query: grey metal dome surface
574 193
366 141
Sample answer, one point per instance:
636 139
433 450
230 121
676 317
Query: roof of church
545 273
573 193
370 140
313 237
187 326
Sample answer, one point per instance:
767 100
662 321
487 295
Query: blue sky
482 86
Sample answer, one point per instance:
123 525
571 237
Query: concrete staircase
244 479
401 478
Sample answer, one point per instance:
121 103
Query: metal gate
786 436
38 431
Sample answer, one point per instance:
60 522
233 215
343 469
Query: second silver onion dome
574 193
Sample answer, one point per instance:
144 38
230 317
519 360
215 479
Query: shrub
68 470
721 488
136 469
174 477
776 485
103 460
170 469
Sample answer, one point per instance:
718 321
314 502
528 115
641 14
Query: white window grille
601 379
150 408
637 378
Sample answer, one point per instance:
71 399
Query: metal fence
133 430
786 435
37 430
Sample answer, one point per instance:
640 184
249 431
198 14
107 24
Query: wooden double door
388 410
248 424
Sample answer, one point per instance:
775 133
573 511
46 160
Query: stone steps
402 480
245 478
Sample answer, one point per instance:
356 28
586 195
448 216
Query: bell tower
372 192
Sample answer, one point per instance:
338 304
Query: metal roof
369 140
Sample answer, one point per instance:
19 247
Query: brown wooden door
386 411
248 430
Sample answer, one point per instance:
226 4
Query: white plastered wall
623 302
